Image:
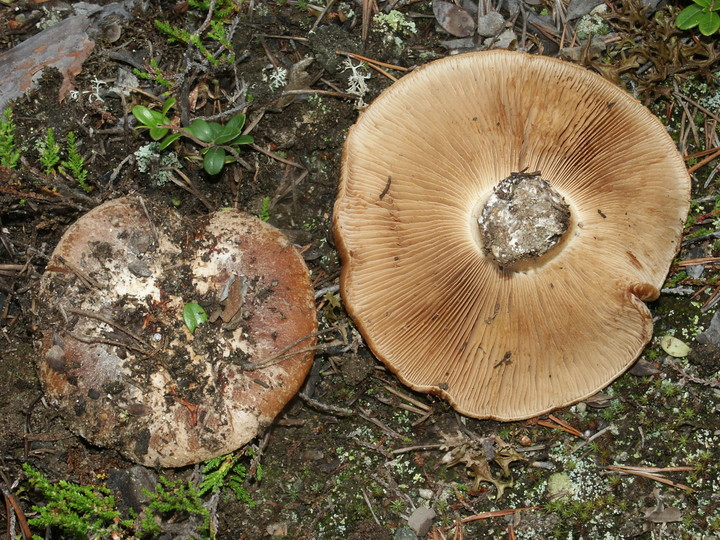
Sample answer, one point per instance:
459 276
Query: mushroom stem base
524 218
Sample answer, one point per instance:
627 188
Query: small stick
704 162
79 273
498 513
696 104
189 187
591 439
278 36
312 29
702 153
283 353
95 339
108 320
11 501
367 500
361 58
416 448
382 426
153 229
638 471
276 157
332 409
407 398
332 93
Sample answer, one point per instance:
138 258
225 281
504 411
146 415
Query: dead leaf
598 401
453 19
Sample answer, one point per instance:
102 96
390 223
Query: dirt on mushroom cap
131 376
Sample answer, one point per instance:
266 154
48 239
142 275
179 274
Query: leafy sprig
177 498
75 163
701 13
78 511
49 152
225 471
9 152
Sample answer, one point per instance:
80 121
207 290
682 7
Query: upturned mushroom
501 219
121 356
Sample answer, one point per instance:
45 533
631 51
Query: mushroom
118 360
501 219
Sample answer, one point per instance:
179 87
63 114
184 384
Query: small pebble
426 493
421 520
490 25
404 533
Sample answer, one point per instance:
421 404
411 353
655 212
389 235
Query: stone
421 520
490 25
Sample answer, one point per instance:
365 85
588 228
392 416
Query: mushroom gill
510 338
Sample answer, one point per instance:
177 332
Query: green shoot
264 214
76 163
154 74
156 121
218 136
177 498
78 511
49 151
225 471
9 153
223 9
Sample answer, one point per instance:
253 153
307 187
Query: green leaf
214 160
244 139
157 133
200 129
236 122
703 3
689 17
194 315
227 135
167 141
205 131
169 102
710 24
147 117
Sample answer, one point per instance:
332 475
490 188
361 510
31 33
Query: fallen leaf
453 19
674 347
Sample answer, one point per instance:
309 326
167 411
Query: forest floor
359 455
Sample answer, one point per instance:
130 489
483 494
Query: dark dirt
359 452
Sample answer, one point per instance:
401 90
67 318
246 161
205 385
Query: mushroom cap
419 165
145 385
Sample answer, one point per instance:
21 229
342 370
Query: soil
356 453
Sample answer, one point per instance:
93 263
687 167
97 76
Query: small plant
218 138
9 153
156 121
218 32
177 498
78 511
218 142
225 471
154 73
49 151
701 13
264 213
76 163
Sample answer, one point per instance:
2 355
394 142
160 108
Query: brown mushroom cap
418 167
142 383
